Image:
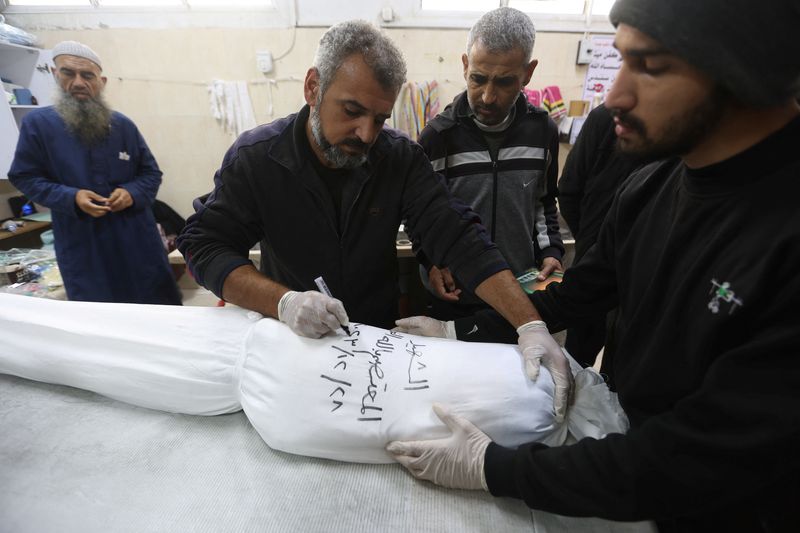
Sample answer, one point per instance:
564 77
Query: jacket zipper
477 131
347 226
494 197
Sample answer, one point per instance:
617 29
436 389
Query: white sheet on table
337 397
206 360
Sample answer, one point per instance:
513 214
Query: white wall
158 77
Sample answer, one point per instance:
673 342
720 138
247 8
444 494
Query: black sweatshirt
592 173
705 267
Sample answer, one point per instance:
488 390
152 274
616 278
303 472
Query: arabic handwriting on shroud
349 350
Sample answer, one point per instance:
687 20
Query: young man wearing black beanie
701 253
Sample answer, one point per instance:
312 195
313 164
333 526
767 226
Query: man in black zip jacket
593 172
701 253
324 191
499 155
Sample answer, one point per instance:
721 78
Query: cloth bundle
533 96
339 397
230 104
548 99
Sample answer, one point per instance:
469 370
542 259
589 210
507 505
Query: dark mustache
629 121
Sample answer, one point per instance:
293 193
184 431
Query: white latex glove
427 327
455 461
311 313
539 348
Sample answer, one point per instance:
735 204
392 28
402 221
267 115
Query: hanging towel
553 103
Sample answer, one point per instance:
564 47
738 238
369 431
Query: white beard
89 120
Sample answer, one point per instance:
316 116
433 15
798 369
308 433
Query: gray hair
504 29
359 37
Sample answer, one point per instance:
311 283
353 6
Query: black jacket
268 191
592 173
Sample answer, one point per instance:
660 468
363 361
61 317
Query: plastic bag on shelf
30 272
13 35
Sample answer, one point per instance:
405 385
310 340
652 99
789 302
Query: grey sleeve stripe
540 222
466 158
521 152
505 154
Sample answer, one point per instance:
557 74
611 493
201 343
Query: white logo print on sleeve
722 293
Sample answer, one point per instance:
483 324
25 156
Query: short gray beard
89 120
337 157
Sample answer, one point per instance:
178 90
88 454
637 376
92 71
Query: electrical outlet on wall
264 61
584 52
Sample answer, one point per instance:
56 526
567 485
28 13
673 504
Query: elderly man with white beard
92 168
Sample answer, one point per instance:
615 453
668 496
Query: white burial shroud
339 397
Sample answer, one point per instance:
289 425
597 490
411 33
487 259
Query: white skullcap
74 48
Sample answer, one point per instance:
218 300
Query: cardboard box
577 108
10 274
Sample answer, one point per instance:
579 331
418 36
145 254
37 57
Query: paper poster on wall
602 70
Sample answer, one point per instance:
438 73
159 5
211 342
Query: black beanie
751 48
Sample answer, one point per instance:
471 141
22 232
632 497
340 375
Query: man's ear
465 62
529 71
104 80
311 86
